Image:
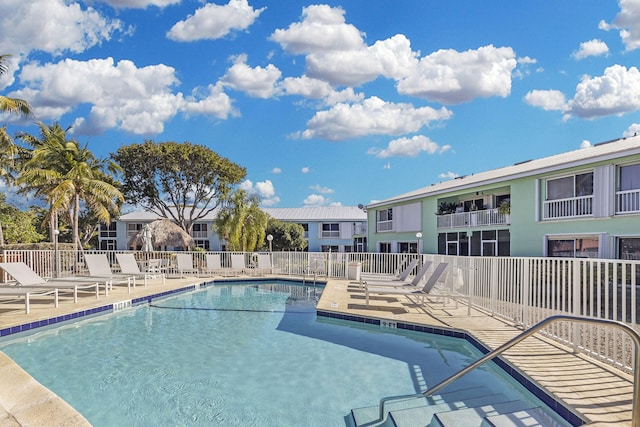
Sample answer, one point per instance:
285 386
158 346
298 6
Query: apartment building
329 228
583 203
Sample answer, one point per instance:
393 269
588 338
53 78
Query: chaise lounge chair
129 266
263 264
213 265
402 275
409 290
238 265
27 278
99 268
415 282
13 292
185 264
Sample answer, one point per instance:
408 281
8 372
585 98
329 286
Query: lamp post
419 236
270 240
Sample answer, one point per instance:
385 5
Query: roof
322 213
598 152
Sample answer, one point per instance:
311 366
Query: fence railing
473 219
568 208
520 289
628 201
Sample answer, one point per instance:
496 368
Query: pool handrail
635 337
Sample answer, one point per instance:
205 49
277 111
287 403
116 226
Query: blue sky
331 103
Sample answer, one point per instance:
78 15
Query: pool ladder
635 337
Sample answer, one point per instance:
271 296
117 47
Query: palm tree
8 150
12 105
242 222
68 176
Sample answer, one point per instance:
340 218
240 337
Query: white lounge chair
410 290
26 277
213 265
185 264
99 268
264 264
402 275
129 266
13 292
415 282
238 265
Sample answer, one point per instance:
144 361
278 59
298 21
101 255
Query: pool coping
26 329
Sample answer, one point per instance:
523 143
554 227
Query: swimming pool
239 354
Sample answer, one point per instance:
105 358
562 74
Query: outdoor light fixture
418 236
270 239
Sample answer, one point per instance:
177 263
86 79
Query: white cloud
52 26
213 102
123 96
409 147
371 117
323 28
318 89
453 77
305 170
585 143
259 82
322 190
139 4
448 175
546 99
276 170
314 200
632 130
617 91
213 21
593 47
628 22
264 190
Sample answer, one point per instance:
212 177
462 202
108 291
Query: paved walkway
598 392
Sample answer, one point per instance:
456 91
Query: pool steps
466 407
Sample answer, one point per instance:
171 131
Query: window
408 247
204 244
570 186
133 228
385 220
628 194
453 244
199 231
629 248
573 247
108 230
480 243
569 196
331 231
108 245
385 248
330 248
306 230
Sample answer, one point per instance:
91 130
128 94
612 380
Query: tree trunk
75 219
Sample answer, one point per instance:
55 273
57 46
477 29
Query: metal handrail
635 337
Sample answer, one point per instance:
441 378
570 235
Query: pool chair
263 264
421 293
11 293
415 282
25 277
185 264
401 277
238 266
99 268
213 265
129 265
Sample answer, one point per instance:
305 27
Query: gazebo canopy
164 233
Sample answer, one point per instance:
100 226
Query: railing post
575 301
526 291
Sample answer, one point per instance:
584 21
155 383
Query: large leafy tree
70 177
287 236
242 223
8 150
19 226
183 182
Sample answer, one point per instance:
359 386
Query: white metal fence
519 289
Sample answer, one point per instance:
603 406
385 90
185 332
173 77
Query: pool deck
601 394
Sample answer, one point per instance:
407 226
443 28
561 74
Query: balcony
573 207
200 234
628 201
384 226
359 229
481 218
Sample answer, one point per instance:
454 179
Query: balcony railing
359 229
473 219
628 201
384 226
568 208
200 234
330 234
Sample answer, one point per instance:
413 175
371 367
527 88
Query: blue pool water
239 355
